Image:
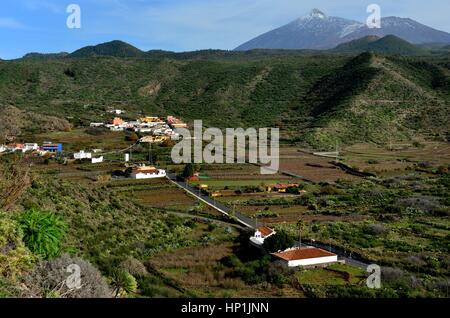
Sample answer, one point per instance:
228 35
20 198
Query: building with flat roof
55 148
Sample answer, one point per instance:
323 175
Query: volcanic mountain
319 31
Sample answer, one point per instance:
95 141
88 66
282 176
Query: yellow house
149 119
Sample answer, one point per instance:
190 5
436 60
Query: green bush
43 232
15 258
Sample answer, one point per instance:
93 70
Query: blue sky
178 25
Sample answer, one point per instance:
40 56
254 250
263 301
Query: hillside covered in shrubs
315 98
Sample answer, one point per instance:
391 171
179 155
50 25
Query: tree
134 267
15 258
123 282
189 170
42 232
132 137
293 190
279 242
14 181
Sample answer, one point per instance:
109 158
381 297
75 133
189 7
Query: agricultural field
335 274
205 272
312 168
397 158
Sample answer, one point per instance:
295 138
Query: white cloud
45 5
10 23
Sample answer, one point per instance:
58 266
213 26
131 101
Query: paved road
349 257
241 218
250 223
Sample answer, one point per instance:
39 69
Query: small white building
116 128
82 155
145 130
306 256
97 124
261 233
97 160
147 173
31 147
3 148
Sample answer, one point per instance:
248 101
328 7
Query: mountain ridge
388 45
115 48
319 31
313 98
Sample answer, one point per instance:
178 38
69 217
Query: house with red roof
261 233
146 172
306 256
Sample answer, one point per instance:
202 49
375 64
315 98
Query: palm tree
300 225
42 232
123 282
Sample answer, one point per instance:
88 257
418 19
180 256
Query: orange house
118 121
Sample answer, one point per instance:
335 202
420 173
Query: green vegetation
138 238
123 282
390 45
42 232
279 242
316 99
15 258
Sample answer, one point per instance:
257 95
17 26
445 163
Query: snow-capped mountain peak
316 13
319 31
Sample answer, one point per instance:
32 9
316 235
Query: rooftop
145 170
302 253
265 231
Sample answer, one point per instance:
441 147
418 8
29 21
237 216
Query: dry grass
306 166
193 257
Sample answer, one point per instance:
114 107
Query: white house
147 173
306 256
116 128
97 124
145 130
261 234
3 148
31 147
82 155
97 160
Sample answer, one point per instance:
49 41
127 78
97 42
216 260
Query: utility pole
131 152
150 160
337 151
300 225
